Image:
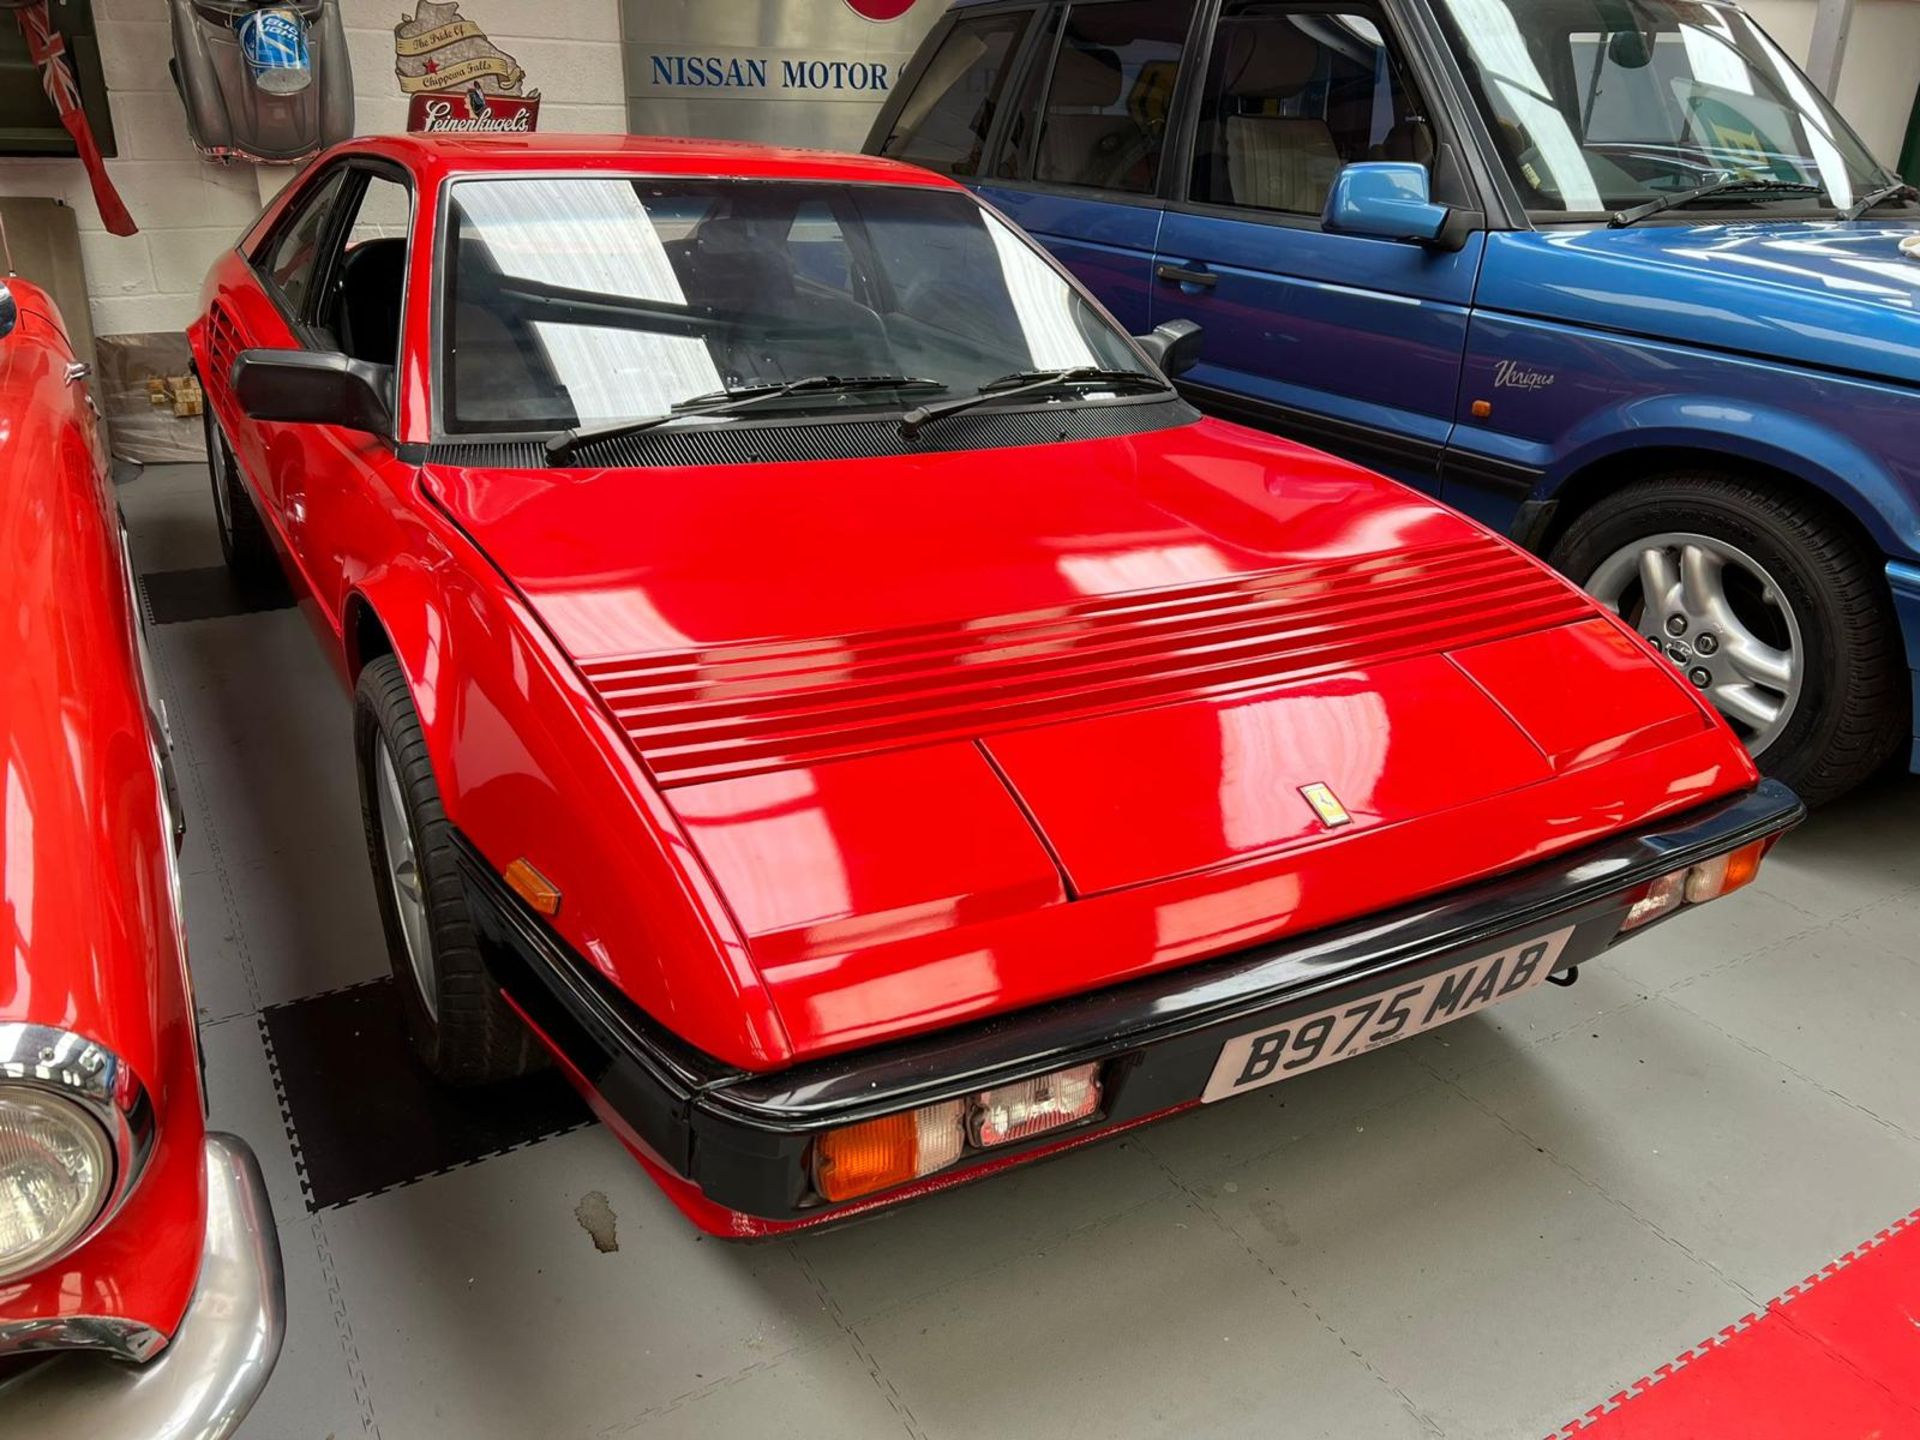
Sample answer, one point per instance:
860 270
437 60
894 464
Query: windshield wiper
731 402
1725 185
1898 190
1023 382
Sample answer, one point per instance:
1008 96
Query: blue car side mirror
1386 199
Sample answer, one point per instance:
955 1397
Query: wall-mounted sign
459 81
436 50
787 72
473 112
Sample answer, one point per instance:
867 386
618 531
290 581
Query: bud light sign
275 44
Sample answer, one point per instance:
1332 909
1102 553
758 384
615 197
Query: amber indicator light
533 887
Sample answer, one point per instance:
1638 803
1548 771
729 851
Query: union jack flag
48 47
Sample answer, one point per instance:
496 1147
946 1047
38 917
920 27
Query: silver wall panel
792 72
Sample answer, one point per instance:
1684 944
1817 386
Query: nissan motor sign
798 72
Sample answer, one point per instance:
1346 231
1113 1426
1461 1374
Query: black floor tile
364 1117
207 593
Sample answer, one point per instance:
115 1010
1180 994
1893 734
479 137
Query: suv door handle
1180 276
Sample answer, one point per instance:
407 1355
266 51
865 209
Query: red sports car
140 1284
817 678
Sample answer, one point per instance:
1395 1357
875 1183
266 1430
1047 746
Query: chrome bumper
203 1384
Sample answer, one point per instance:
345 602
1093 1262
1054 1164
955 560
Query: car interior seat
367 318
1274 161
1083 141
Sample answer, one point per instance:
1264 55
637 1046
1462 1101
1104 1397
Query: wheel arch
1589 475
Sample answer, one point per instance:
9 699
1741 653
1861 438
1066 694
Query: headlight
56 1170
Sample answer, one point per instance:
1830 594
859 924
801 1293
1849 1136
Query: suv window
944 123
1293 95
1105 121
296 254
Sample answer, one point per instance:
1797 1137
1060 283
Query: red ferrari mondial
140 1283
816 678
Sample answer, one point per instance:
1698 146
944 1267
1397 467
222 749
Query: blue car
1609 275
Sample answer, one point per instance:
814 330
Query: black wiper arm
1898 190
1725 185
729 402
1023 382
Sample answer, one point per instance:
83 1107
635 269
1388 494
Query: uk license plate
1278 1052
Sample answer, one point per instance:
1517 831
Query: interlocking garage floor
1480 1233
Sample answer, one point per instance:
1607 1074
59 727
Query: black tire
243 535
1854 706
474 1038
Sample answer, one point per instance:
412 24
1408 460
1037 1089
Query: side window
361 310
1105 122
945 121
1290 97
295 255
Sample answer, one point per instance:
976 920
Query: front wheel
460 1026
1767 606
243 535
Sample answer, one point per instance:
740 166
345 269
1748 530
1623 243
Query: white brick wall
189 210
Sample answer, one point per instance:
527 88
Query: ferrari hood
895 700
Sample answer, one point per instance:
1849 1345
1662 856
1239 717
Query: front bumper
201 1386
732 1147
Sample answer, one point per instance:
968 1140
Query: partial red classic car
818 679
140 1282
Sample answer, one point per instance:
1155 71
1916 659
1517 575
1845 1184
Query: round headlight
56 1168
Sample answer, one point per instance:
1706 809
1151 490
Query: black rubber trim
1505 477
743 1138
1532 523
1362 444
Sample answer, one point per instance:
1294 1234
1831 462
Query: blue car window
1105 121
1292 95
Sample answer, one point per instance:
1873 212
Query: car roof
436 156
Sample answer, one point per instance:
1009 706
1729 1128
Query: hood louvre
751 708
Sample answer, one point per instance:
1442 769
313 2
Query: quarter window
296 254
1291 96
944 123
1105 123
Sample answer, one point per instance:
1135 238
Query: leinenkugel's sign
841 59
456 79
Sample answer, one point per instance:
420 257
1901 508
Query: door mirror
1174 346
1386 199
321 387
9 311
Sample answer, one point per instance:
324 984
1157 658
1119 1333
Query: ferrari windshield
580 300
1600 105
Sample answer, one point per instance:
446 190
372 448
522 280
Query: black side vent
775 442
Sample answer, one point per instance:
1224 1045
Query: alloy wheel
403 874
1719 617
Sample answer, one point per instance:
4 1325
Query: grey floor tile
169 510
1543 1013
1893 924
1205 1141
1703 939
223 986
1497 1290
311 1394
1750 1167
1852 853
826 1390
483 1308
1838 1009
241 1098
1158 1323
902 1254
310 920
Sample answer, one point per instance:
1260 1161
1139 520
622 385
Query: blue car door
1349 343
1080 165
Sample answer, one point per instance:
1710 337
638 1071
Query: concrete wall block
134 53
116 264
138 314
180 265
150 125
